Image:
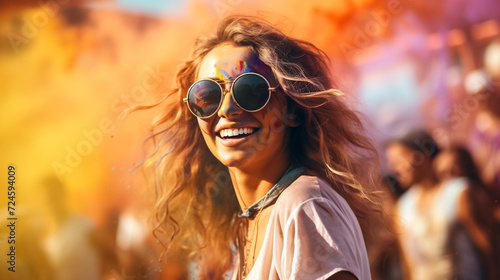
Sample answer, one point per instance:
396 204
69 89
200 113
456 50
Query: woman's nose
228 107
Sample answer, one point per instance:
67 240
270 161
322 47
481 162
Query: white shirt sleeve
320 239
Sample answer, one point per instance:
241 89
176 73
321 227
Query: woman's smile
231 137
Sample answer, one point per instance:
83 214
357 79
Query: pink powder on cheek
277 124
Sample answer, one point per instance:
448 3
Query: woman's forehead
226 62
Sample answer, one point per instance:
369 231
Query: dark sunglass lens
251 92
204 98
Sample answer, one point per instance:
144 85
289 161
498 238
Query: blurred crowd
59 244
443 201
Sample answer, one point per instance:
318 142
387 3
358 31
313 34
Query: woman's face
261 136
407 165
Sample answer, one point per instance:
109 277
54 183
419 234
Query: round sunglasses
251 92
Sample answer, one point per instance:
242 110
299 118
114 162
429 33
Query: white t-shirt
312 234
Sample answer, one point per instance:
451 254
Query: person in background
385 260
70 242
484 143
476 207
433 222
409 159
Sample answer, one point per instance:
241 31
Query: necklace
255 210
273 194
251 247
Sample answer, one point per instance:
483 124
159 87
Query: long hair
465 163
196 207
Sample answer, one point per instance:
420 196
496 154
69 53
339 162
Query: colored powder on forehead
220 73
244 67
238 69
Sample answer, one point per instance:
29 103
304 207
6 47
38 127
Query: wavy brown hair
196 207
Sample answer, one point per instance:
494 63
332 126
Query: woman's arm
399 231
477 232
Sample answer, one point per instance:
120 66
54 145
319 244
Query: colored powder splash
220 73
238 69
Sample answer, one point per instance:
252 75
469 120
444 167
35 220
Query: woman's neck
427 183
251 184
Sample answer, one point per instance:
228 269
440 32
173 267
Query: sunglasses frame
224 92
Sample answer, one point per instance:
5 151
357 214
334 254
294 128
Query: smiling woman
255 151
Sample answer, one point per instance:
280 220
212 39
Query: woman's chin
233 161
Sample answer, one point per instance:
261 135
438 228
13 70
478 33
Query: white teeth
235 132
